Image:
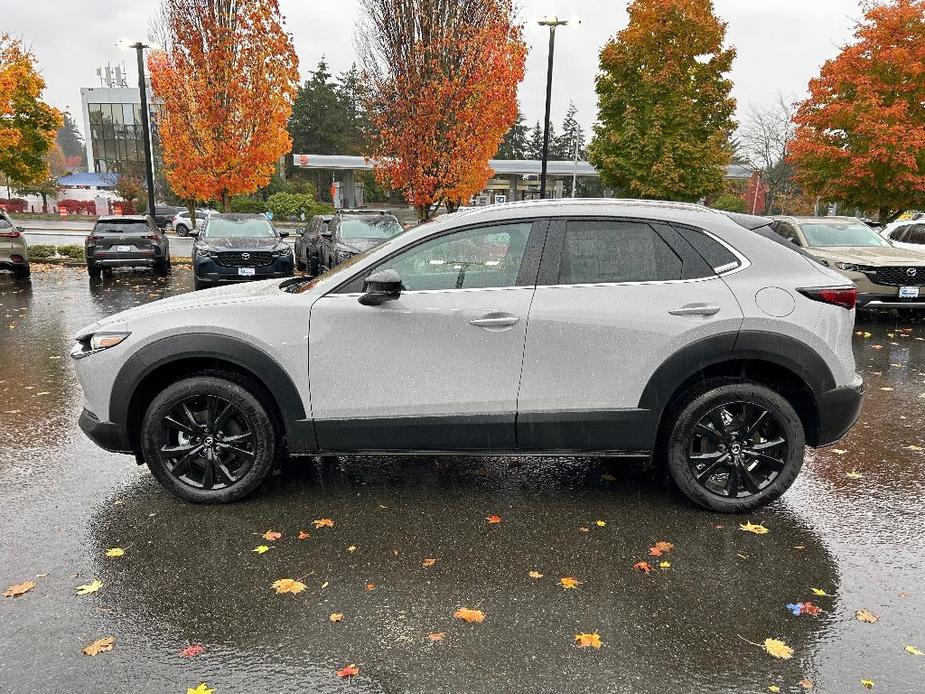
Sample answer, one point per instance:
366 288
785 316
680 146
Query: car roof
123 218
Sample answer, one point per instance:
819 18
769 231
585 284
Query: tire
199 284
162 267
193 472
313 268
300 265
22 273
94 272
705 467
181 230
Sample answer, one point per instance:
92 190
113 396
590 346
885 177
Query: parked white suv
612 328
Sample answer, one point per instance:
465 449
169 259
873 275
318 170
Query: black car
350 233
239 247
309 241
164 214
126 241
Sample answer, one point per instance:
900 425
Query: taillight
152 237
839 296
95 238
17 258
10 234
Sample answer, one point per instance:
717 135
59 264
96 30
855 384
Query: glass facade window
116 137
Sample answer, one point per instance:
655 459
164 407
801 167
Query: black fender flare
266 369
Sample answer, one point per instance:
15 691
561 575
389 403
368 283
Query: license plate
908 292
246 271
123 249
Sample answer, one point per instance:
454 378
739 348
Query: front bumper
839 409
877 300
207 270
107 435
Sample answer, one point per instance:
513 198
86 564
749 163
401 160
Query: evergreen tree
515 144
70 140
355 127
318 115
572 132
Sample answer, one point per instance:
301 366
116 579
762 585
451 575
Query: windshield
384 227
231 228
841 235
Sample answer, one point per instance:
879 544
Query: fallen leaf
664 565
272 535
260 549
750 527
192 650
660 548
436 636
600 523
201 688
778 649
866 616
804 608
88 588
913 650
588 640
348 671
115 552
584 529
773 688
427 563
17 589
838 451
352 548
323 523
913 447
643 566
303 535
288 585
805 683
467 615
493 519
867 684
853 475
819 592
99 646
370 586
336 617
535 574
569 582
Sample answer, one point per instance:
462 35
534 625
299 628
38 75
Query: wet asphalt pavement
851 526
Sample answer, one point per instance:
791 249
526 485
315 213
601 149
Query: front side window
823 234
605 251
384 227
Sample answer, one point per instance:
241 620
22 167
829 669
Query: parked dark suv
236 247
126 241
351 233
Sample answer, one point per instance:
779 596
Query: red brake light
95 238
10 234
152 237
846 297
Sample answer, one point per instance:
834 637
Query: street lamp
145 127
552 23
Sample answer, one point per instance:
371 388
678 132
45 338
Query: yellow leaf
352 548
336 617
588 640
773 688
853 475
99 646
600 523
866 616
569 582
535 574
867 684
288 585
778 649
200 689
88 588
18 589
913 447
819 591
115 552
750 527
664 565
323 523
260 549
913 650
467 615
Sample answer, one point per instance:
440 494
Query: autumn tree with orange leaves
860 136
28 125
227 75
442 81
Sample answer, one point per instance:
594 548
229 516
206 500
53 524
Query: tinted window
230 227
822 234
715 253
786 230
609 251
381 227
5 223
121 227
471 259
916 234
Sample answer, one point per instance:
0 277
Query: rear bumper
122 262
839 409
12 265
106 435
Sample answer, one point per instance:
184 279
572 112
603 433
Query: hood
240 244
358 245
875 257
217 296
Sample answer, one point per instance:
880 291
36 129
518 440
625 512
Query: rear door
614 300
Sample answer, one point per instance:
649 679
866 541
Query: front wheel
181 230
208 439
22 273
734 447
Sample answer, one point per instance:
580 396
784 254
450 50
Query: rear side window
718 257
604 251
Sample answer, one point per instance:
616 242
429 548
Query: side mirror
381 286
194 233
283 234
21 230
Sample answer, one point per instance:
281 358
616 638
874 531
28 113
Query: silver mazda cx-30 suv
604 327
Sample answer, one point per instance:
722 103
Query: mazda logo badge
911 271
248 255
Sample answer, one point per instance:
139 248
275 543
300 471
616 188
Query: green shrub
248 205
291 205
730 203
41 251
73 252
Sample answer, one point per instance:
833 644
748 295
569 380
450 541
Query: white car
613 328
908 234
183 225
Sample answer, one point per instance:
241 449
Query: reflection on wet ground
851 526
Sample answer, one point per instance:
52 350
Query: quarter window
720 258
916 234
604 251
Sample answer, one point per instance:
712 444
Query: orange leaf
436 636
493 519
569 582
336 617
303 535
427 563
99 646
660 548
468 615
323 523
18 589
588 640
643 566
348 671
272 535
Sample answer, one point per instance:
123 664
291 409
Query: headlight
852 267
343 255
206 252
97 342
282 252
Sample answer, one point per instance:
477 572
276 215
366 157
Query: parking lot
411 541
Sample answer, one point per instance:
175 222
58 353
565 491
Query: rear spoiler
749 221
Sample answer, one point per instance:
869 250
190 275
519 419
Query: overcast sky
780 43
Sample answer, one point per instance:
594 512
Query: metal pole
575 170
552 49
145 129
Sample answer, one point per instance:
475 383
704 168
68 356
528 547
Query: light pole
552 23
145 126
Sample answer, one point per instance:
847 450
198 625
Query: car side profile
126 241
909 235
608 328
182 223
14 252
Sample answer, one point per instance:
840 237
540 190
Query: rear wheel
181 230
199 284
22 273
208 439
94 272
734 447
162 267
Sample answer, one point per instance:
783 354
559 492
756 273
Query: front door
437 369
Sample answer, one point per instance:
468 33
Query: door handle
495 321
695 310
